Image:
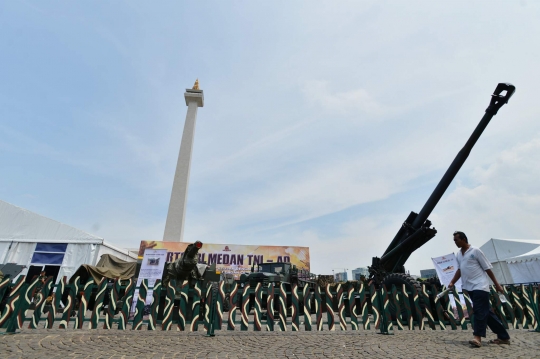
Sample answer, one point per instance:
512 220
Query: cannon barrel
192 249
497 101
416 230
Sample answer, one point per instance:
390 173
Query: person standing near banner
474 269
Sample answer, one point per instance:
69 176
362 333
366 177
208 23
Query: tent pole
7 253
498 261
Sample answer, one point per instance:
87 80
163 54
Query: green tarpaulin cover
108 266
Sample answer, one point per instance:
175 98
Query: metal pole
212 315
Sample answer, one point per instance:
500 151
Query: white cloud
506 200
317 93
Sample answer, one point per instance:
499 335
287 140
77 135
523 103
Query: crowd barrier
345 306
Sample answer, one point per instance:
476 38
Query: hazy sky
324 125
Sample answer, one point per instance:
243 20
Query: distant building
341 277
428 273
362 271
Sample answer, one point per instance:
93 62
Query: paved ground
101 343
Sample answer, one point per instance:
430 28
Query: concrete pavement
100 343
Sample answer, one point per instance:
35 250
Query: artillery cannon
417 229
188 268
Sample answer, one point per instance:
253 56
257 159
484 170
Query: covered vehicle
109 266
268 273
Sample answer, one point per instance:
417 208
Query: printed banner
234 258
152 266
446 267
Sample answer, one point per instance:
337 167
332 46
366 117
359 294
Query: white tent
514 260
28 238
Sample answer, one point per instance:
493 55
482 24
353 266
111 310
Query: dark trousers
483 315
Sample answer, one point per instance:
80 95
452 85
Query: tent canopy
529 256
503 249
28 238
514 260
19 224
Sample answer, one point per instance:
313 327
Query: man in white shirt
474 269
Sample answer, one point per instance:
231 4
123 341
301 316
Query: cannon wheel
435 281
398 279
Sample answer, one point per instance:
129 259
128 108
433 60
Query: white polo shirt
473 265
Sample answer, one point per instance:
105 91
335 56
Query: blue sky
324 125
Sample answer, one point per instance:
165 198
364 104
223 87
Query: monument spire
174 227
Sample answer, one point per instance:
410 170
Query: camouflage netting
324 280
